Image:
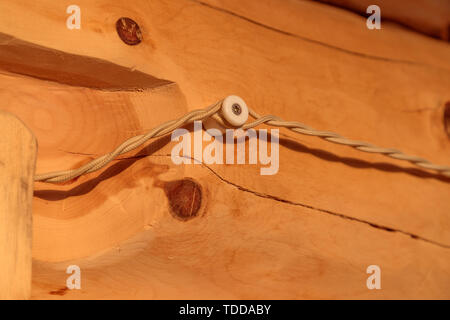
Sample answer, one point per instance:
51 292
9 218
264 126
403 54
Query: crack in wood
321 43
307 206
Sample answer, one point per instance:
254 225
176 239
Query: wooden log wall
309 231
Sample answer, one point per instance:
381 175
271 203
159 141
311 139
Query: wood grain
17 163
32 60
311 230
246 246
431 17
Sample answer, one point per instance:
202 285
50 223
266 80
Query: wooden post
17 163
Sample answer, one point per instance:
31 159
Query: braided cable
213 112
338 139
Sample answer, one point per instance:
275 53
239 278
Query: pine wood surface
311 230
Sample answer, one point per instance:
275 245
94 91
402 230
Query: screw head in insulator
234 111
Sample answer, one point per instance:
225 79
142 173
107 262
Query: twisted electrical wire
213 111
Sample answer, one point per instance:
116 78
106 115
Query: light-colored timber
17 163
431 17
309 231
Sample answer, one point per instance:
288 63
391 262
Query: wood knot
59 292
129 31
185 198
